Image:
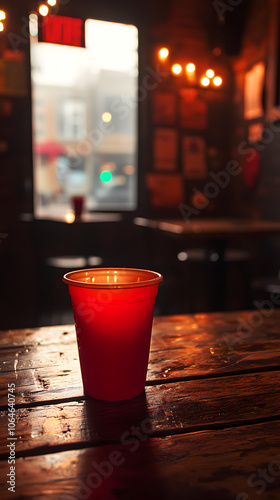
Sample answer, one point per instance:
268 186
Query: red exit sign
62 30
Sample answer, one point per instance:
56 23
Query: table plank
168 408
207 465
220 227
25 337
199 381
45 366
59 379
166 329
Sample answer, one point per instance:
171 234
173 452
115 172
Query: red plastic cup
113 312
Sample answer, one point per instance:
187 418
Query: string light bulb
205 81
217 81
2 15
52 3
210 73
190 68
43 10
176 69
1 26
163 53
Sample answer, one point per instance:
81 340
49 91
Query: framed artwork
253 91
165 149
13 80
272 95
194 157
255 131
166 190
164 108
192 110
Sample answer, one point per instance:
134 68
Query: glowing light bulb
205 81
210 73
190 68
217 81
69 217
110 166
52 3
1 26
182 256
2 15
43 10
128 169
176 69
106 117
163 53
106 176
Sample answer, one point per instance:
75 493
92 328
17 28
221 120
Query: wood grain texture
218 228
208 420
166 328
38 336
44 364
170 408
207 465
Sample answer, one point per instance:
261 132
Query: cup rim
154 279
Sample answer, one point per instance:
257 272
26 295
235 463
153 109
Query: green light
106 176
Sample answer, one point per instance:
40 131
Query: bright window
84 107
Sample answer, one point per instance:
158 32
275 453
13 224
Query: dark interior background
31 291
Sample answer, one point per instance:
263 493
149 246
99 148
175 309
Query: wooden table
212 228
216 236
206 428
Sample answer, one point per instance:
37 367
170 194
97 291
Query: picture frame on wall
192 110
165 149
194 157
164 108
272 78
166 190
253 91
12 74
255 132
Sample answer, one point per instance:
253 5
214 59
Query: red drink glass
78 204
113 311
